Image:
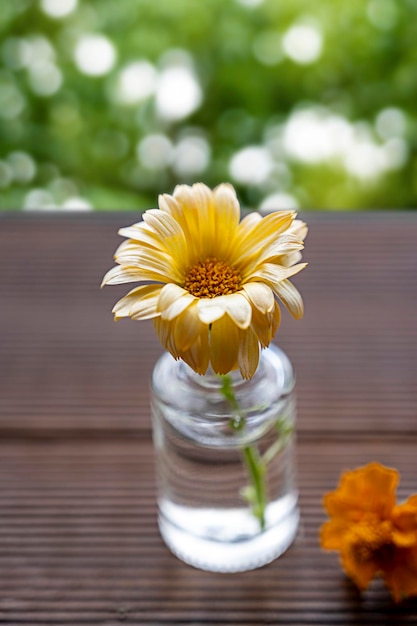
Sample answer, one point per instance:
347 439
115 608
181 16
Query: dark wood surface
78 537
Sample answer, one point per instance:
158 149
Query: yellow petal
210 310
162 223
275 319
227 214
170 232
139 304
280 249
247 224
299 228
238 308
164 331
190 217
262 234
121 274
248 357
224 345
274 273
148 259
173 300
290 259
260 295
188 327
265 325
204 200
235 304
168 204
291 298
197 356
141 233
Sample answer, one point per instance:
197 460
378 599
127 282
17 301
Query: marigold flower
373 534
212 282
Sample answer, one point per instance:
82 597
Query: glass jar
226 464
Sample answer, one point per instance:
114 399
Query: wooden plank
66 368
79 544
78 537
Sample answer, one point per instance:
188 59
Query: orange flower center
211 278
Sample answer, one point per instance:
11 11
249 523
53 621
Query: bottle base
230 556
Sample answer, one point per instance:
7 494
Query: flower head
373 534
211 282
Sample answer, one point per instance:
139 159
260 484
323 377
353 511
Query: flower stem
255 493
256 470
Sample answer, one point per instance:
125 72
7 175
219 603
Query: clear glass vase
225 458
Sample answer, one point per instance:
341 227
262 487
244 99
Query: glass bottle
225 465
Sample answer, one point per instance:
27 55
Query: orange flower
373 534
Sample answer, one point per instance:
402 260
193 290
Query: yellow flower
211 282
373 534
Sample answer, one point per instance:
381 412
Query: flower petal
197 356
204 200
265 325
141 233
332 534
148 245
190 221
164 331
261 235
238 308
139 304
260 295
227 214
369 489
248 357
235 304
359 571
275 276
247 224
188 327
290 259
291 298
162 223
210 310
123 274
150 260
404 517
273 273
280 249
299 229
401 575
224 345
173 300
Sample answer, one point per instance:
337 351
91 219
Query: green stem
256 471
255 494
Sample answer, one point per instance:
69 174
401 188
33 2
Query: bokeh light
302 43
94 55
136 82
178 93
103 105
58 8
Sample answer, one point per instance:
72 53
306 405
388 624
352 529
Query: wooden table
78 537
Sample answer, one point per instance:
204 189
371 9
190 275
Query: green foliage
334 128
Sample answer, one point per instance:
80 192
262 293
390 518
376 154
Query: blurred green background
106 103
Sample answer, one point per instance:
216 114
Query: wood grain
78 537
